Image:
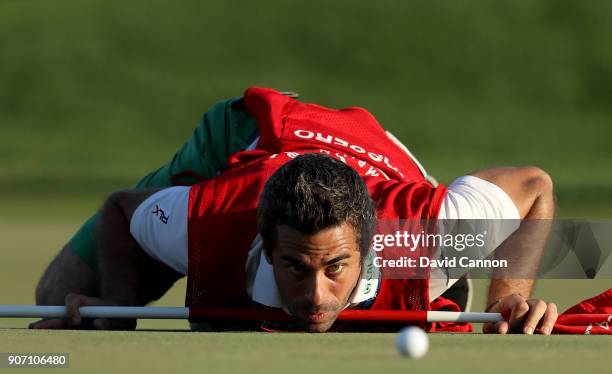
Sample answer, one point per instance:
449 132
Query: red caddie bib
223 210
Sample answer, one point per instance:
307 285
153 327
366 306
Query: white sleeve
494 212
470 197
159 225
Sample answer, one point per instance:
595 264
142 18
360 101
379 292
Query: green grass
160 352
97 93
94 94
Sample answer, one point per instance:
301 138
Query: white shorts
159 225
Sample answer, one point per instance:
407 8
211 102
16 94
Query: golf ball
412 342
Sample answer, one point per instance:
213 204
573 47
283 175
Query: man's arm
118 252
531 190
119 263
118 257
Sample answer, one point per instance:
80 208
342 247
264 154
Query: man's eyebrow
337 259
329 262
290 259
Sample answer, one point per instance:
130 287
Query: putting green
164 351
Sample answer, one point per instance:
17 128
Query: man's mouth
317 317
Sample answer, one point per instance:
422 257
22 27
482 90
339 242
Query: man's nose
315 291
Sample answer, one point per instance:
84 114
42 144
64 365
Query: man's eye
335 269
296 269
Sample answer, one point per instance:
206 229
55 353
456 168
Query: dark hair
313 192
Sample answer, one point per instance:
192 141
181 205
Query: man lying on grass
287 223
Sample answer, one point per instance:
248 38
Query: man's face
316 273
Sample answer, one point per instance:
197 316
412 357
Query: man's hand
75 321
526 316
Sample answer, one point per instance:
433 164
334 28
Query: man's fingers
550 317
53 323
75 320
519 311
537 308
500 327
507 303
488 328
525 316
74 302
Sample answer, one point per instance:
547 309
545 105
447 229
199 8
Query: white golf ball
412 342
